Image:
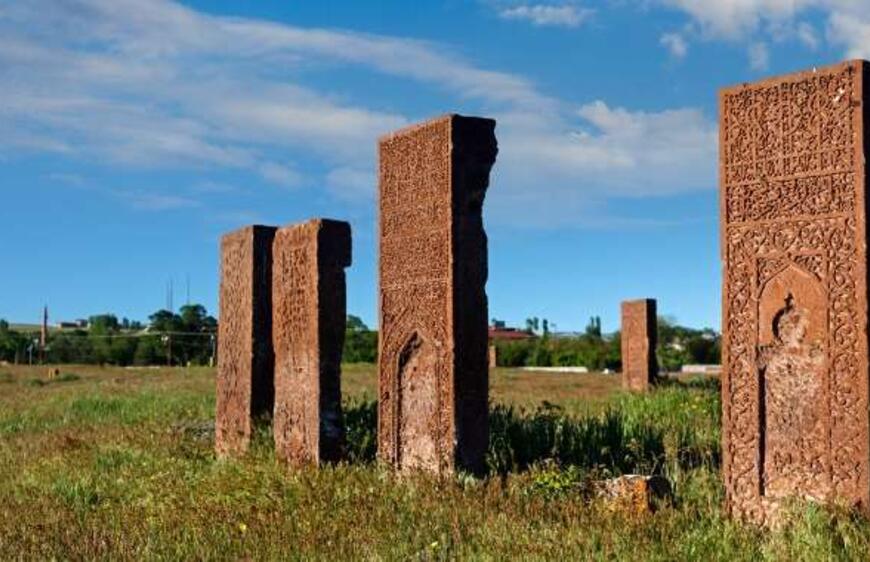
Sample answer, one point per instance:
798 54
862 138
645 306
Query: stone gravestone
794 245
309 304
433 377
245 359
493 356
639 336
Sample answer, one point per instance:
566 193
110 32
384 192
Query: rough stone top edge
318 223
636 302
339 237
449 117
249 229
792 76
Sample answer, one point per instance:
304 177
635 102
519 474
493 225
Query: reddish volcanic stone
433 377
308 331
794 246
244 377
639 335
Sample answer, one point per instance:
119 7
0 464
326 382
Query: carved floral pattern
791 186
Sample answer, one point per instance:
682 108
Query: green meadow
118 464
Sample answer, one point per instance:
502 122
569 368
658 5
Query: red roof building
508 334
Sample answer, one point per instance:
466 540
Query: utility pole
43 335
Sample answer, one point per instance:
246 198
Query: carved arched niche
808 293
418 405
792 364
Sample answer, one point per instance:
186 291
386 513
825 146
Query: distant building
79 324
701 369
500 332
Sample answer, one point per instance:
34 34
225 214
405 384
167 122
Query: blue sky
134 132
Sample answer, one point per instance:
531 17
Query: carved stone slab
244 377
309 304
794 245
638 345
433 377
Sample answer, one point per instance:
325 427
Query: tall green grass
102 472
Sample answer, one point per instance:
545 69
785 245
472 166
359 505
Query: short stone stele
309 304
638 344
245 358
794 245
433 377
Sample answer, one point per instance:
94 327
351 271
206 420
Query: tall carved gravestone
309 305
794 245
638 344
433 377
245 358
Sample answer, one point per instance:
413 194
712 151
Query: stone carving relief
794 295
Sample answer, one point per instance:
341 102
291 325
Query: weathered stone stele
493 357
638 344
794 245
433 377
245 358
309 304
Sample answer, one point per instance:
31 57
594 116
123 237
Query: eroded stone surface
245 358
639 335
309 320
795 371
433 376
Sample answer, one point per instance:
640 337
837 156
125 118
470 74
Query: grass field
117 464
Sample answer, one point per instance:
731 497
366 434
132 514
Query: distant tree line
183 338
360 343
189 337
677 346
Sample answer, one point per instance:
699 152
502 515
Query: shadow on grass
520 439
361 432
651 434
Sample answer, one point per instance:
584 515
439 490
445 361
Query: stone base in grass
634 494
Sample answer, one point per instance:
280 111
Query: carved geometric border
834 239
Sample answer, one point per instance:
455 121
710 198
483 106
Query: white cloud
780 20
567 15
280 175
558 172
151 84
806 34
631 153
675 44
850 32
735 18
759 56
352 183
